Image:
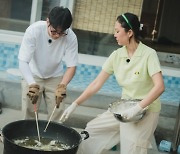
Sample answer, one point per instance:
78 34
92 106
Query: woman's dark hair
130 21
60 17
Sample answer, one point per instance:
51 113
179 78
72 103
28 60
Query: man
45 44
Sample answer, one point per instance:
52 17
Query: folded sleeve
108 65
153 63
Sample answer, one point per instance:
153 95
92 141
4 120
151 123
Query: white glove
130 113
68 111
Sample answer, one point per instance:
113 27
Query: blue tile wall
85 74
8 55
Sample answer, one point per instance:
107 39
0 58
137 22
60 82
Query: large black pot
24 128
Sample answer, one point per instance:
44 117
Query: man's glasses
55 32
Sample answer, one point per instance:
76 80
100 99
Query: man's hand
33 92
68 111
60 94
130 113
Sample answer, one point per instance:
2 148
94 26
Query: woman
137 69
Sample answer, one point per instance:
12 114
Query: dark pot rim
40 121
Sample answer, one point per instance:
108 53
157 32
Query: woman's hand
68 111
130 113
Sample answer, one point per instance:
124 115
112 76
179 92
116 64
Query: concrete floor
10 115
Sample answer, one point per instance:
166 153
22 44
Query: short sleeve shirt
135 76
46 59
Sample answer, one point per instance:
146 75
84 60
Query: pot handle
86 134
1 136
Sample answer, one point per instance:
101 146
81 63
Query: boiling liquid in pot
46 144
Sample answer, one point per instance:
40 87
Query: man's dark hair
60 17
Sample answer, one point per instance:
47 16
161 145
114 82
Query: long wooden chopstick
37 125
50 118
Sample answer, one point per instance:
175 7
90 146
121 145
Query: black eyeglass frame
54 32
